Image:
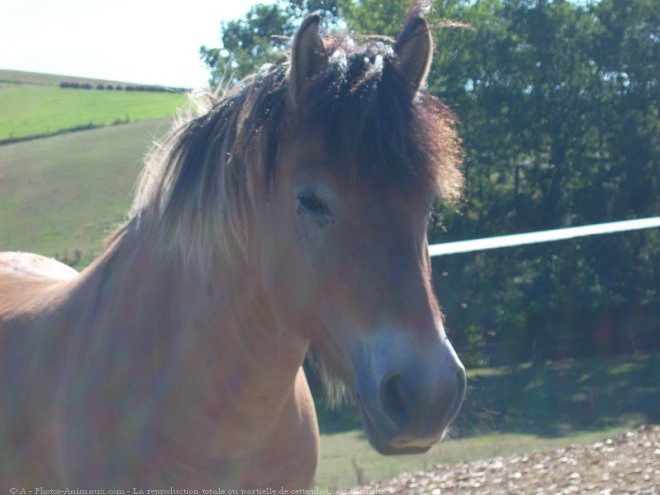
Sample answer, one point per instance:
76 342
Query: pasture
347 460
61 196
65 194
35 105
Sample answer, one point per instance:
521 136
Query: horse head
362 156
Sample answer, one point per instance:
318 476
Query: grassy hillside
35 105
66 193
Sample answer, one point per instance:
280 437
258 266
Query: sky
140 41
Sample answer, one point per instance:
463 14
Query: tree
556 133
262 37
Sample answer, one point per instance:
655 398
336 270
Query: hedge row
120 87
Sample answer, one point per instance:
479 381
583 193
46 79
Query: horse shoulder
25 278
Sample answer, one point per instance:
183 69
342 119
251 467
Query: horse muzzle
413 398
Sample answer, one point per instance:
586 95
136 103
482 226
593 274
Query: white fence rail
542 236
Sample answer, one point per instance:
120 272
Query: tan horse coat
82 404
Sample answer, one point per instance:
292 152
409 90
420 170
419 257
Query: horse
290 215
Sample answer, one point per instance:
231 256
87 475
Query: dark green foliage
560 124
262 37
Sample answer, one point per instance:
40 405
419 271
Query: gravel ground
629 463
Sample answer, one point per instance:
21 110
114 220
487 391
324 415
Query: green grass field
61 196
347 460
68 192
35 105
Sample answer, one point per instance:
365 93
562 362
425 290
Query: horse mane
199 185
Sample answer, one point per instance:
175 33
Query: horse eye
311 204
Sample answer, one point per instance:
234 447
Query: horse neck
215 329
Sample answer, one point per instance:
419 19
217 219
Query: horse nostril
392 400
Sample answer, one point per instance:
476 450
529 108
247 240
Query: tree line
558 108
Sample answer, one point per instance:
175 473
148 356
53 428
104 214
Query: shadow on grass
559 398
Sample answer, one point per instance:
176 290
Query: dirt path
626 464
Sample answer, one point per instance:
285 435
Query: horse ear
414 49
308 57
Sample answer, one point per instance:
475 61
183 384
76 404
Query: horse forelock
203 179
362 103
